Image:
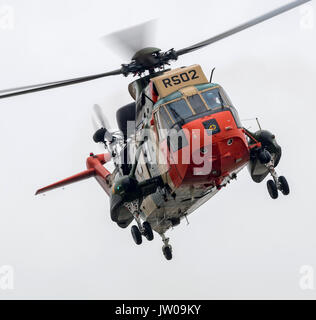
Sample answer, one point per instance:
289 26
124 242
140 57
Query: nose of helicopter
214 148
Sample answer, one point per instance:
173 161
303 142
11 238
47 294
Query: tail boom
94 169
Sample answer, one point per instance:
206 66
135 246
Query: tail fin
75 178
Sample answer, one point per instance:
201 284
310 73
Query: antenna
212 75
258 123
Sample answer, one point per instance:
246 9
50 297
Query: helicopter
179 142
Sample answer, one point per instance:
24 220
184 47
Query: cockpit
178 110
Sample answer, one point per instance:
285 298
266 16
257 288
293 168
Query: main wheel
137 236
167 252
148 231
264 156
284 186
272 188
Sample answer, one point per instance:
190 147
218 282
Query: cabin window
197 104
179 110
213 98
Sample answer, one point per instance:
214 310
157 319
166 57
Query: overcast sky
240 244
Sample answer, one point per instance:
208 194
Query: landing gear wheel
272 188
137 236
148 231
264 156
284 186
167 252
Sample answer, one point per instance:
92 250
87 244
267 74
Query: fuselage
195 143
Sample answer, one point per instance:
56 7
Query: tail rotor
101 126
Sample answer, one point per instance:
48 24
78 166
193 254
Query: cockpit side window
213 98
179 110
197 104
165 120
225 96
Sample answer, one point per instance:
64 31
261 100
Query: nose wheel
277 184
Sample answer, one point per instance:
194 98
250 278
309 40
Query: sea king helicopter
179 142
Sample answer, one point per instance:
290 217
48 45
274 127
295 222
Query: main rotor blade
241 27
130 40
51 85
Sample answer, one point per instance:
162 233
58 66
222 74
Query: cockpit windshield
179 110
213 98
185 109
197 104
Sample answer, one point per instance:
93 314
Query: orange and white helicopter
180 142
